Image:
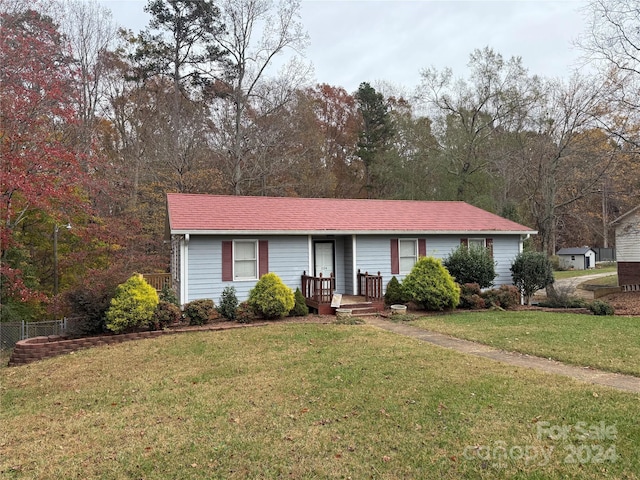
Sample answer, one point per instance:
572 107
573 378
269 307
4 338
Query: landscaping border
38 348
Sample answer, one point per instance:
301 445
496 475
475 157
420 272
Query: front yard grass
581 273
604 342
306 401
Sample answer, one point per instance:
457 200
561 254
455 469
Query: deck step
362 308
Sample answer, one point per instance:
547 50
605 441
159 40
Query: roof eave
352 232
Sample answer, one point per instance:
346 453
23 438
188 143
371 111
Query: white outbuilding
580 258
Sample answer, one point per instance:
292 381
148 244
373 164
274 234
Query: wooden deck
319 294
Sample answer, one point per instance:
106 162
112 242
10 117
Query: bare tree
91 32
258 33
564 159
612 43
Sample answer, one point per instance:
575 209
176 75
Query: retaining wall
39 348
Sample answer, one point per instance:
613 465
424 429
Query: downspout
184 267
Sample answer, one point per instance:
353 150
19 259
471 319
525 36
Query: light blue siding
288 258
505 250
374 253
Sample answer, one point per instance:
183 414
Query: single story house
580 258
322 245
627 234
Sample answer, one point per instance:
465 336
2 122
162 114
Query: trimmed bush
132 306
228 303
599 307
300 309
200 311
506 296
471 265
168 294
531 271
166 314
271 298
430 286
393 295
244 314
470 297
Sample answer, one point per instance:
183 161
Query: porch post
354 270
311 269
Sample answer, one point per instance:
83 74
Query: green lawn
306 401
582 273
605 342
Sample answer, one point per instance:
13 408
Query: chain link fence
12 332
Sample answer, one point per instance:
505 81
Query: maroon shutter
464 241
227 261
489 243
395 257
422 247
263 257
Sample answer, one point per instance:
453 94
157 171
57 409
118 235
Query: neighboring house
581 258
627 229
322 245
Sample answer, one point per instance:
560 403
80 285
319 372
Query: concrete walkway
626 383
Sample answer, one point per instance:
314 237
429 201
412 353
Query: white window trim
400 257
256 260
477 239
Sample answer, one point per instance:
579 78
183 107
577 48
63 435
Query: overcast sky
393 41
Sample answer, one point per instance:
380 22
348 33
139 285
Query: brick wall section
628 273
39 348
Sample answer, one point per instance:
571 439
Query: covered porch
320 294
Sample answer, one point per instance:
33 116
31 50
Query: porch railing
319 289
158 280
370 286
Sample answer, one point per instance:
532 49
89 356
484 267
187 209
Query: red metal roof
195 213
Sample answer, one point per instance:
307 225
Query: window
477 243
245 260
408 250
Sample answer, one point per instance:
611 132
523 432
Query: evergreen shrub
244 313
271 298
166 314
471 265
133 305
531 271
228 303
394 295
600 307
300 309
200 311
430 286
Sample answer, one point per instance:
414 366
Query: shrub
393 295
430 285
168 294
271 298
564 302
300 308
470 296
506 296
244 314
599 307
166 314
200 311
89 301
531 271
132 306
471 265
228 303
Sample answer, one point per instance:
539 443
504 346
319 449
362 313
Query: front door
323 254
